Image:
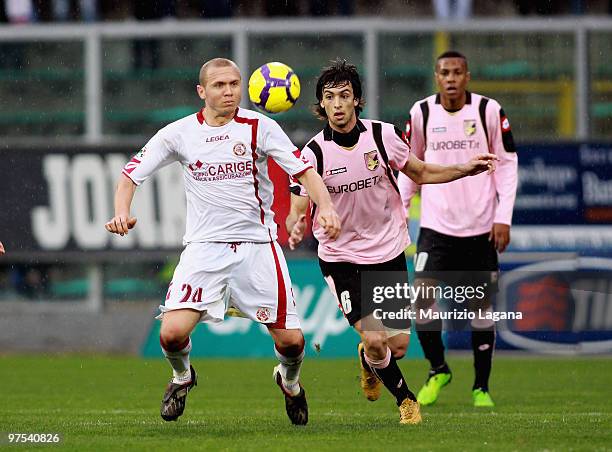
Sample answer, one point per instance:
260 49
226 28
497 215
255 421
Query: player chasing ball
464 224
356 159
231 258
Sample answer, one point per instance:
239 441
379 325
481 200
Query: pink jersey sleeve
415 137
157 153
505 176
276 144
397 148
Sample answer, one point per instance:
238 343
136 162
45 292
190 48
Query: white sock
290 371
179 361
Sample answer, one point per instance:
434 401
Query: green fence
552 77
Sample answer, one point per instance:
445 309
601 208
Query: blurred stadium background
84 84
79 96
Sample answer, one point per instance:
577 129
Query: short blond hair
215 62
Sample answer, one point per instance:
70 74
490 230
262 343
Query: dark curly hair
339 73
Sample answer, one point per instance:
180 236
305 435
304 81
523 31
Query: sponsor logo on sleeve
505 124
141 153
408 131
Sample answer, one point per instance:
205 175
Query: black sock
483 343
430 337
443 369
394 381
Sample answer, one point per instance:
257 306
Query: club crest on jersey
469 127
263 314
239 149
371 160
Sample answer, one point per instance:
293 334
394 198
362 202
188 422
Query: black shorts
457 260
346 278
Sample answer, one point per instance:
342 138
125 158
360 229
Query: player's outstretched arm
327 216
296 220
430 173
121 223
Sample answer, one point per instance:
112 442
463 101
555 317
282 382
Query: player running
231 258
464 224
356 159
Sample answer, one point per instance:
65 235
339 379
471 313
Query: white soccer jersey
229 193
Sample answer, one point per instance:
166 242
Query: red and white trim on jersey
298 154
281 309
200 116
129 167
254 122
296 175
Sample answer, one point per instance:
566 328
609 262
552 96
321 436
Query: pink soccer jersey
468 206
225 170
364 191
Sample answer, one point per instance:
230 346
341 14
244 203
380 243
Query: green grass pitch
112 403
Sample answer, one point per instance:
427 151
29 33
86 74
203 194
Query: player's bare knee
289 342
172 336
375 343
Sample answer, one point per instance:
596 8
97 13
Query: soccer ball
274 87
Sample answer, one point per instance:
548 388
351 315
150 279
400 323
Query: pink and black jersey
468 206
363 189
229 194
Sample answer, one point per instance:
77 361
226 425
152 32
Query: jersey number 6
345 301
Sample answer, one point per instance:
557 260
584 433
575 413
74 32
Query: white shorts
211 277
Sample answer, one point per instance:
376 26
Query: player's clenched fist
330 222
120 224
